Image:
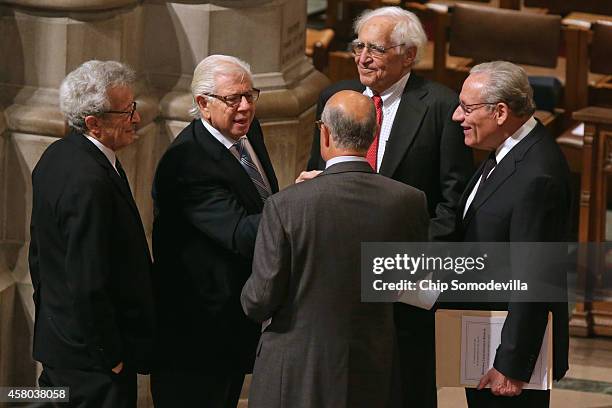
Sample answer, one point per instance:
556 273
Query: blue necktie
249 166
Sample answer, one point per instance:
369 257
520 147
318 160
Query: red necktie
372 154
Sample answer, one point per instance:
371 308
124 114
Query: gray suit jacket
324 347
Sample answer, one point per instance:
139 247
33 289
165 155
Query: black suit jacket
525 199
89 262
425 148
207 212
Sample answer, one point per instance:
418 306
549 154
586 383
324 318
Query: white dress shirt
343 159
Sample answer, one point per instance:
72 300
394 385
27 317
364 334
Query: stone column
43 40
269 35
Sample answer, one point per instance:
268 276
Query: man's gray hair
84 91
347 132
508 83
206 73
408 29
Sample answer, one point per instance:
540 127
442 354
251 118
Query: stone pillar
269 35
43 40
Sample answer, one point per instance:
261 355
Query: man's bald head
351 120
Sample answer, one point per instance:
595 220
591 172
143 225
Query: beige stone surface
163 41
73 5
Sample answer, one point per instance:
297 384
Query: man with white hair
520 194
209 190
418 144
89 258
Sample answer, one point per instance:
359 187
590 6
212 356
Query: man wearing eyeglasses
520 194
418 144
89 258
209 190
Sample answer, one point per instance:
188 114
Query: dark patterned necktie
372 154
488 167
249 166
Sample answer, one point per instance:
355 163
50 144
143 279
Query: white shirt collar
503 149
109 153
226 141
343 159
394 90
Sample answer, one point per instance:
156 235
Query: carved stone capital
71 5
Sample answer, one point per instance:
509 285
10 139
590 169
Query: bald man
323 346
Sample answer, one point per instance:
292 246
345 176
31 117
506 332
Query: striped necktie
249 166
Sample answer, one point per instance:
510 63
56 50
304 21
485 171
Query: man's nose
136 117
458 114
245 104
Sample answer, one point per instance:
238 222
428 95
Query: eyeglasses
375 51
234 100
129 112
319 123
467 109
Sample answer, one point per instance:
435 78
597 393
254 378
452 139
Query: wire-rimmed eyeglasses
375 51
128 112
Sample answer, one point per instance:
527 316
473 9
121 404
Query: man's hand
118 369
500 384
307 175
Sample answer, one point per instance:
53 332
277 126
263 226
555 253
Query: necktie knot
489 166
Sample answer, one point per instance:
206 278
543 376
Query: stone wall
43 40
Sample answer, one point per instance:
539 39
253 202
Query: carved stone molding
71 5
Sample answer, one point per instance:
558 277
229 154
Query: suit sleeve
266 288
540 217
86 209
456 168
214 210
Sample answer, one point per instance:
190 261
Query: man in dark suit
418 145
89 258
323 346
520 194
209 191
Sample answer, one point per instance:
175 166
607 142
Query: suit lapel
502 172
229 166
99 157
410 114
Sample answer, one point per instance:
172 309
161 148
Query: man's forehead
377 29
234 79
473 85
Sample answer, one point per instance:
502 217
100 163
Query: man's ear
203 105
409 56
93 125
325 142
501 113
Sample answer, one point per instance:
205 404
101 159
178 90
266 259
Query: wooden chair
567 6
317 46
341 66
592 68
532 40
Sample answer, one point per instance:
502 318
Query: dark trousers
417 356
185 388
527 399
92 389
